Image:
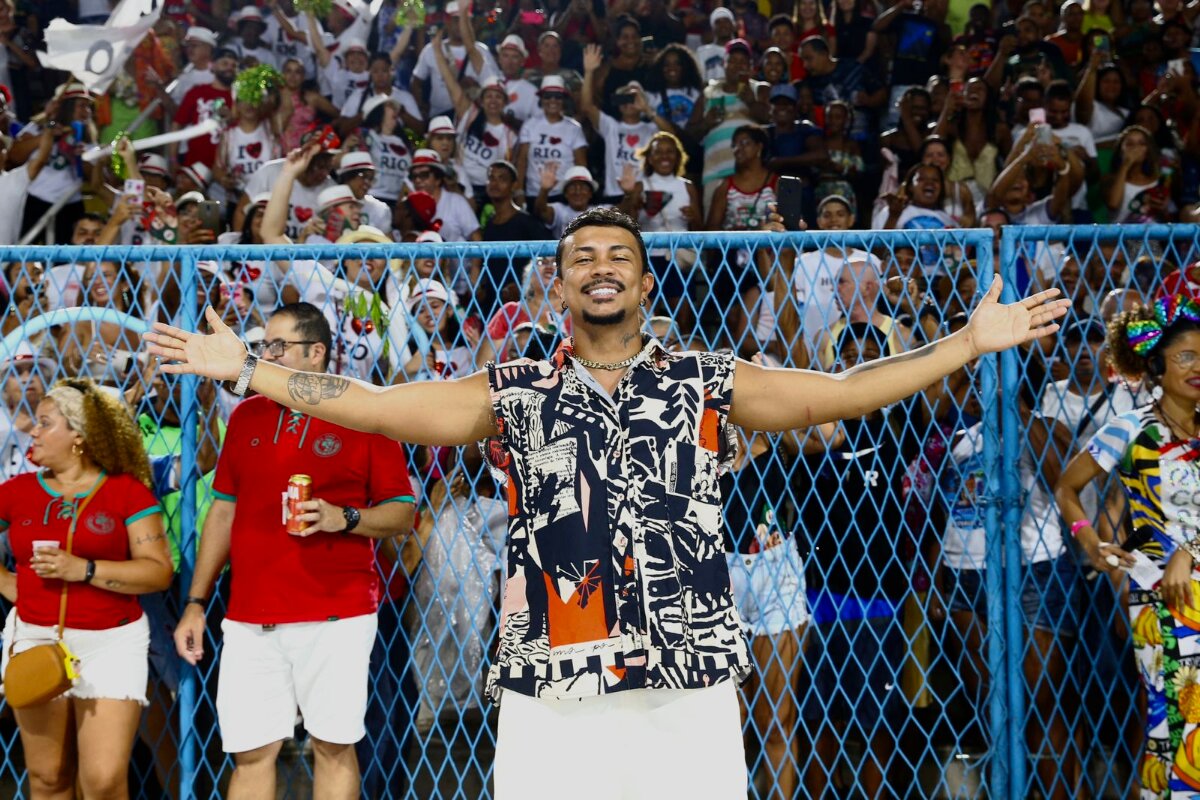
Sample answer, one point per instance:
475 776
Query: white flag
95 54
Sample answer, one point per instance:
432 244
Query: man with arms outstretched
620 646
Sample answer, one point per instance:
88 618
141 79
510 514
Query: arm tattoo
911 355
310 388
114 584
150 539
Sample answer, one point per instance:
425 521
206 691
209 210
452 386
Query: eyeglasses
276 347
423 175
1185 359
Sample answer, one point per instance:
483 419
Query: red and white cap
74 89
431 237
261 199
494 82
153 164
427 289
199 173
187 198
439 125
552 84
249 14
198 33
427 158
516 43
350 7
23 355
334 196
355 44
355 161
580 174
374 102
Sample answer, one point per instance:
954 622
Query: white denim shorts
319 668
113 662
769 589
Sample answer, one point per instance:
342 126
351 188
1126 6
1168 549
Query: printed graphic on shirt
617 577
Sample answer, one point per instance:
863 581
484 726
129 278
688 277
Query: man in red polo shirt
302 610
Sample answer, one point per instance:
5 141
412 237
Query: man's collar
653 354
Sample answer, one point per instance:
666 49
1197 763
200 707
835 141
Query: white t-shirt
621 143
62 286
14 444
522 99
814 281
427 70
377 213
1072 409
343 83
284 47
402 98
58 178
188 80
303 204
264 53
665 197
477 153
563 216
965 543
458 220
1107 124
712 61
392 159
14 184
1036 213
550 141
357 346
247 152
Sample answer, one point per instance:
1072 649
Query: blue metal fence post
1010 496
997 709
188 414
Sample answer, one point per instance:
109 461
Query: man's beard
225 78
615 318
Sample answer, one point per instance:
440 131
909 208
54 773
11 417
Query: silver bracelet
1192 548
243 381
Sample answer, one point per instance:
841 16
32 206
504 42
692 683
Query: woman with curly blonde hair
95 468
1155 450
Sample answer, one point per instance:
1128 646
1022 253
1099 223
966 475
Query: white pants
642 743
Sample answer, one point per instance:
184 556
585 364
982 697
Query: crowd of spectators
468 122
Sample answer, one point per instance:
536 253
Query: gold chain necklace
606 365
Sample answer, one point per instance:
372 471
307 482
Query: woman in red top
87 444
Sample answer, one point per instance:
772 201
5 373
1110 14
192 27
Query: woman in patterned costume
1156 452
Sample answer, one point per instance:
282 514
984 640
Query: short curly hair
1125 359
112 439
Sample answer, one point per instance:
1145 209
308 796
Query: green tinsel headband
319 8
253 85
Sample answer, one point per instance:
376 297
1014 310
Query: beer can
299 490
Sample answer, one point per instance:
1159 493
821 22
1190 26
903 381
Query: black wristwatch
90 572
352 516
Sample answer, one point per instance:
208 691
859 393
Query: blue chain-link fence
904 533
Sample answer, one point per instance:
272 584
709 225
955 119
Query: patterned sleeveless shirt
616 574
